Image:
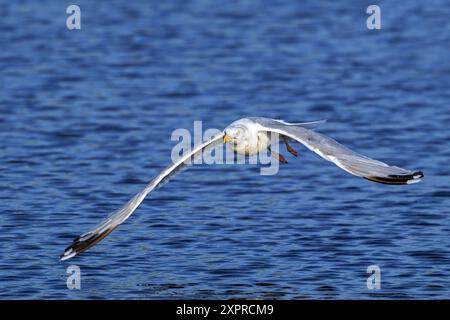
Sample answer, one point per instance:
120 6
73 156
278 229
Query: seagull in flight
249 136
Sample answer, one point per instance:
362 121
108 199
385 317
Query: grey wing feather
307 125
89 239
342 156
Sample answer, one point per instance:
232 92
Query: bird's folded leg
278 156
289 148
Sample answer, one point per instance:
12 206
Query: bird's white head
243 136
234 134
237 132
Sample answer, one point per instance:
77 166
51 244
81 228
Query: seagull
249 136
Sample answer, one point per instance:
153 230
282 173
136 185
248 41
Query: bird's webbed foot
289 148
278 156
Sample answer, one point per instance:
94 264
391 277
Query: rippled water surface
86 119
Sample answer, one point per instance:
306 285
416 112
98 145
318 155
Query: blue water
86 118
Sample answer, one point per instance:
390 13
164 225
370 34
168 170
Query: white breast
254 141
253 144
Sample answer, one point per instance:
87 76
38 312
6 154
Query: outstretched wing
342 156
90 238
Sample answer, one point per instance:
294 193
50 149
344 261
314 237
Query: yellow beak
226 139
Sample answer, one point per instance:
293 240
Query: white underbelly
254 145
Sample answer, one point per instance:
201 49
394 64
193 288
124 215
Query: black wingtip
82 243
398 179
418 175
